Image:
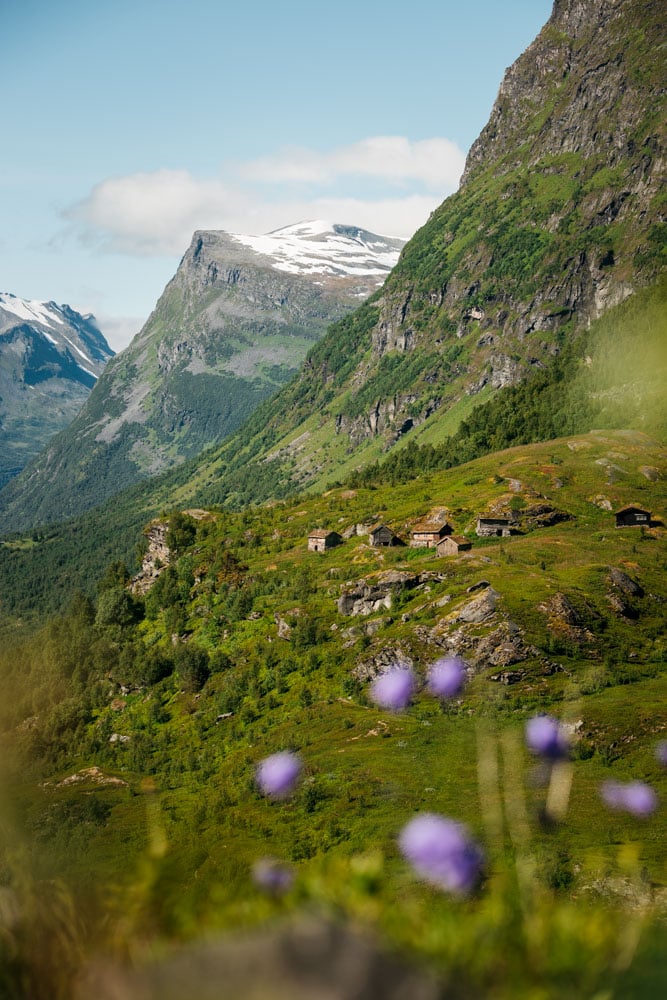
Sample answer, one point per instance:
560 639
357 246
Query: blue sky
127 125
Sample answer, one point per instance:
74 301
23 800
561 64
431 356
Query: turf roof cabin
427 534
488 527
321 540
631 517
451 545
380 536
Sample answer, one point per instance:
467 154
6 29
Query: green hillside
239 650
611 377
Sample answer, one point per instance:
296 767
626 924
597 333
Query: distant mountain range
231 327
50 358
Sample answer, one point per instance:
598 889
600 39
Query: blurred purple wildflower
634 797
272 876
446 676
546 737
277 775
393 690
661 752
442 852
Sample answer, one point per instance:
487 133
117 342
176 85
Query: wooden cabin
380 536
321 540
633 517
451 545
427 534
488 527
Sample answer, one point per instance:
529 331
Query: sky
128 125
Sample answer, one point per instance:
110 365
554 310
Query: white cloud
437 163
156 213
152 213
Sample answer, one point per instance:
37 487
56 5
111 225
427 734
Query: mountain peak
326 248
50 358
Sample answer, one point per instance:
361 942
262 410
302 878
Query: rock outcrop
156 558
375 593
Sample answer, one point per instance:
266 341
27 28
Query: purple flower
446 676
634 797
278 774
393 690
272 876
661 752
546 737
442 852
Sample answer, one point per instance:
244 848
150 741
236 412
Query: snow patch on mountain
31 309
319 247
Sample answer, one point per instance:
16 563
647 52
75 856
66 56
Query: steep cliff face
231 327
560 216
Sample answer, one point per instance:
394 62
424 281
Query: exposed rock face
623 588
389 658
504 646
156 557
543 515
376 593
479 609
624 583
480 632
566 621
92 775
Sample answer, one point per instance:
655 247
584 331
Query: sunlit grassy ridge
172 843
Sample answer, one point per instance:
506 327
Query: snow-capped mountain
59 342
231 327
50 358
327 249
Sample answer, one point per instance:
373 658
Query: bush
193 667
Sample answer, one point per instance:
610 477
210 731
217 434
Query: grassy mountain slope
172 841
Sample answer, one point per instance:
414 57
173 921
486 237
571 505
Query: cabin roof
430 526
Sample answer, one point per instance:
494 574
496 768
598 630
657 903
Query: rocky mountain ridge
230 328
50 358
